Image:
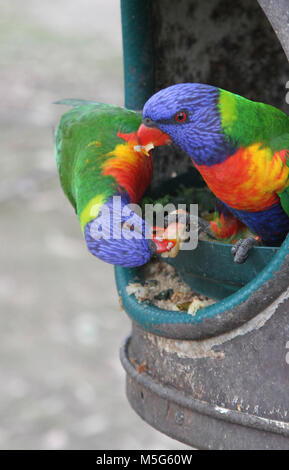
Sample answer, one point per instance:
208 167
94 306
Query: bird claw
241 249
205 226
190 221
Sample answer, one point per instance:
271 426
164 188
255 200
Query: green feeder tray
209 270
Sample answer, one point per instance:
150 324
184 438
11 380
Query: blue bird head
109 235
119 235
188 113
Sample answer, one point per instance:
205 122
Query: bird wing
284 195
86 135
280 145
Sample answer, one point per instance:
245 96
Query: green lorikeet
101 173
240 147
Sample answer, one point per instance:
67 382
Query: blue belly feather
272 224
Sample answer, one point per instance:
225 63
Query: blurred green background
61 382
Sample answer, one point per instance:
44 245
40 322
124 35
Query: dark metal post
137 52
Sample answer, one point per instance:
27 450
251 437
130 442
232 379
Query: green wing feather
84 136
284 195
73 103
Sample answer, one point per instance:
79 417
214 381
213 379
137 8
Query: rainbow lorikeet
97 162
241 149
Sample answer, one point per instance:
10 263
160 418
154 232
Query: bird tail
73 103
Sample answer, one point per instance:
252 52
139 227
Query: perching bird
240 147
96 161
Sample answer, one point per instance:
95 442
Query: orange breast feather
250 179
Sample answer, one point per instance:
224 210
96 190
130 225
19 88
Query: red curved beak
152 135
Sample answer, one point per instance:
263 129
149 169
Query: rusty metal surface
201 391
195 428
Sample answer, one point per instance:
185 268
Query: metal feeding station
219 379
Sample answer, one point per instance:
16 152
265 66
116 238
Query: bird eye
127 226
181 116
146 120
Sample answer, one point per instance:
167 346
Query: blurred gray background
61 382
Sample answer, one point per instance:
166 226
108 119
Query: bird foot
183 217
241 249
